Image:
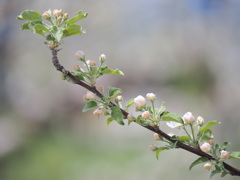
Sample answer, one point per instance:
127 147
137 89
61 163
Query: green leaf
161 110
198 161
72 29
172 117
29 15
111 71
184 138
24 26
109 120
117 115
41 27
89 105
79 76
234 155
80 15
160 150
206 127
224 146
129 103
112 92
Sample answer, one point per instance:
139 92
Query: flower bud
139 102
151 96
60 18
66 16
210 141
145 114
80 55
130 117
151 148
200 120
156 136
205 147
76 67
46 15
91 62
207 166
102 58
100 88
89 96
188 118
224 154
97 112
118 99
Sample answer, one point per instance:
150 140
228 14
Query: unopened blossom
91 62
210 141
97 112
151 148
151 96
100 87
102 58
60 18
207 166
57 13
156 136
188 118
80 55
130 117
46 15
89 96
205 147
200 120
224 154
139 102
66 15
145 114
76 67
118 99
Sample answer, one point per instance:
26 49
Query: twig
233 171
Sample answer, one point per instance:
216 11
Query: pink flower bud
156 136
100 87
60 18
130 117
89 96
97 112
46 15
200 120
207 166
224 154
151 148
151 96
139 102
57 13
145 114
210 141
102 58
76 67
205 147
66 16
188 118
91 62
80 55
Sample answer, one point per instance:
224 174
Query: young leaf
234 155
172 117
41 27
29 16
184 138
160 150
72 29
117 115
24 26
89 105
111 71
109 120
161 110
80 15
129 103
112 92
198 161
206 127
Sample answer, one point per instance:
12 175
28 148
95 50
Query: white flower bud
97 112
224 154
139 102
89 96
188 118
200 120
80 55
207 166
156 136
91 62
102 58
151 96
205 147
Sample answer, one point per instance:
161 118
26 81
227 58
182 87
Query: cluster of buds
58 14
46 15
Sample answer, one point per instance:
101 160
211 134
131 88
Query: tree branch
233 171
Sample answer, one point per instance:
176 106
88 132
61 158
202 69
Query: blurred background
187 52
